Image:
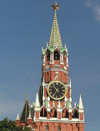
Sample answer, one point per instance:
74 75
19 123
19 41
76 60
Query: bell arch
48 55
56 55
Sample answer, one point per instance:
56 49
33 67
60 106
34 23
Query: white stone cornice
55 69
37 109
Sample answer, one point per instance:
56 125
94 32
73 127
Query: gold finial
55 7
26 96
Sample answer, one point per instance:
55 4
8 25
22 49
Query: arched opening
43 112
53 113
47 127
56 55
59 128
65 114
75 114
48 55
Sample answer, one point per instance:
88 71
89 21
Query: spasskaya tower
53 110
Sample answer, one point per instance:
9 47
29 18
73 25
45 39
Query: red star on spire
55 6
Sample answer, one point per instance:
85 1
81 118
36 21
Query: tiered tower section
53 109
55 56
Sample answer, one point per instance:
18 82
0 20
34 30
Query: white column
51 58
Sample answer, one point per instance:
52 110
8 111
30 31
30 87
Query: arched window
53 113
59 128
56 55
47 127
65 113
75 114
43 112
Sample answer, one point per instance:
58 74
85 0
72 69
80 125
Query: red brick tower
53 109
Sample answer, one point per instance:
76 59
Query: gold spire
55 38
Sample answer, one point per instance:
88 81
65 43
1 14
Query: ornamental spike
75 105
42 47
29 117
70 106
80 103
53 104
47 44
17 116
37 104
65 45
48 102
59 105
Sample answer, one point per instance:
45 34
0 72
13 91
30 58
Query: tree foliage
10 125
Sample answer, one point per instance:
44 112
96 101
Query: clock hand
56 89
54 93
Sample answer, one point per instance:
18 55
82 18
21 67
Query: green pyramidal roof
55 38
25 111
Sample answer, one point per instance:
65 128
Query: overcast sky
25 27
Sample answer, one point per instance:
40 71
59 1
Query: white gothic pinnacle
17 116
80 103
37 104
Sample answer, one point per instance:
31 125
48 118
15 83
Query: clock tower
53 110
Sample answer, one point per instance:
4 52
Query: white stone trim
55 69
37 109
63 120
65 67
47 67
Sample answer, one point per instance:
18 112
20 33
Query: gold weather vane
55 6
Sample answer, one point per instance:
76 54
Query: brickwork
55 113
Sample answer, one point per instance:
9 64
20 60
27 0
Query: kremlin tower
53 109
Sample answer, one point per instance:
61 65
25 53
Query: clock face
56 90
